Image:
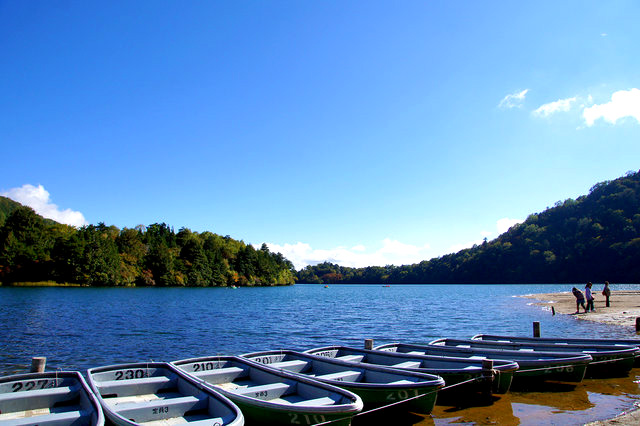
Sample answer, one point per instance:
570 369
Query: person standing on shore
587 292
606 292
579 300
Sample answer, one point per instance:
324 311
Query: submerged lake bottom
80 328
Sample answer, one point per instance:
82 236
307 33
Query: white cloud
561 105
513 100
391 252
624 103
39 200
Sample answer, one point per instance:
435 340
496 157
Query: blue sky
360 132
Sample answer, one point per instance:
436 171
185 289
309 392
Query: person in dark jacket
579 300
606 292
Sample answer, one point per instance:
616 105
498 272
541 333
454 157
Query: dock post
536 329
38 363
637 324
368 343
487 377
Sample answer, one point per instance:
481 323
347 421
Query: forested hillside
593 238
34 249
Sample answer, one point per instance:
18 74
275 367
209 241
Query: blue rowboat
51 398
158 393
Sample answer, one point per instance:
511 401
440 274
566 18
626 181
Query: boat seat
407 364
295 365
159 409
141 386
52 419
325 400
40 398
341 376
222 375
266 392
351 358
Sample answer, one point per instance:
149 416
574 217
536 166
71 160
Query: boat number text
130 374
34 384
161 410
305 419
401 395
205 366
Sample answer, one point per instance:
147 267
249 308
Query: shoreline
624 309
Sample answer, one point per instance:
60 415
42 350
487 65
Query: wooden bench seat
295 365
407 364
52 419
350 358
39 398
158 409
265 392
141 386
222 375
342 376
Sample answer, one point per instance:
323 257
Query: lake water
79 328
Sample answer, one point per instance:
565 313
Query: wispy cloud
561 105
623 103
514 100
392 252
39 200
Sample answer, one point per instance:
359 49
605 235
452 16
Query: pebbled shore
623 310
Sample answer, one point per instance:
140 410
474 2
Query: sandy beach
623 310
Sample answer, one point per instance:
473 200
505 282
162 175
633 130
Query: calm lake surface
79 328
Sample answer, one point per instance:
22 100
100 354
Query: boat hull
279 397
376 386
617 364
61 397
158 393
464 374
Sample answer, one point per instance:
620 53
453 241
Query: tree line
34 249
593 238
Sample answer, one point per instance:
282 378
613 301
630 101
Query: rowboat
51 398
271 396
565 341
606 360
466 374
560 366
377 386
158 393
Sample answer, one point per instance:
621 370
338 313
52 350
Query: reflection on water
591 400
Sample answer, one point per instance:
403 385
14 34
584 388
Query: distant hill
6 207
594 238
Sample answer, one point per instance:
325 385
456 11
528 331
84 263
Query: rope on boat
400 402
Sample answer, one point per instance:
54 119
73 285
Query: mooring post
553 310
38 363
368 343
487 377
536 329
637 324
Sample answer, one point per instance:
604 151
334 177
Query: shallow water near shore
79 328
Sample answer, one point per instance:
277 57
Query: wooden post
536 329
368 343
637 324
487 377
38 363
553 310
